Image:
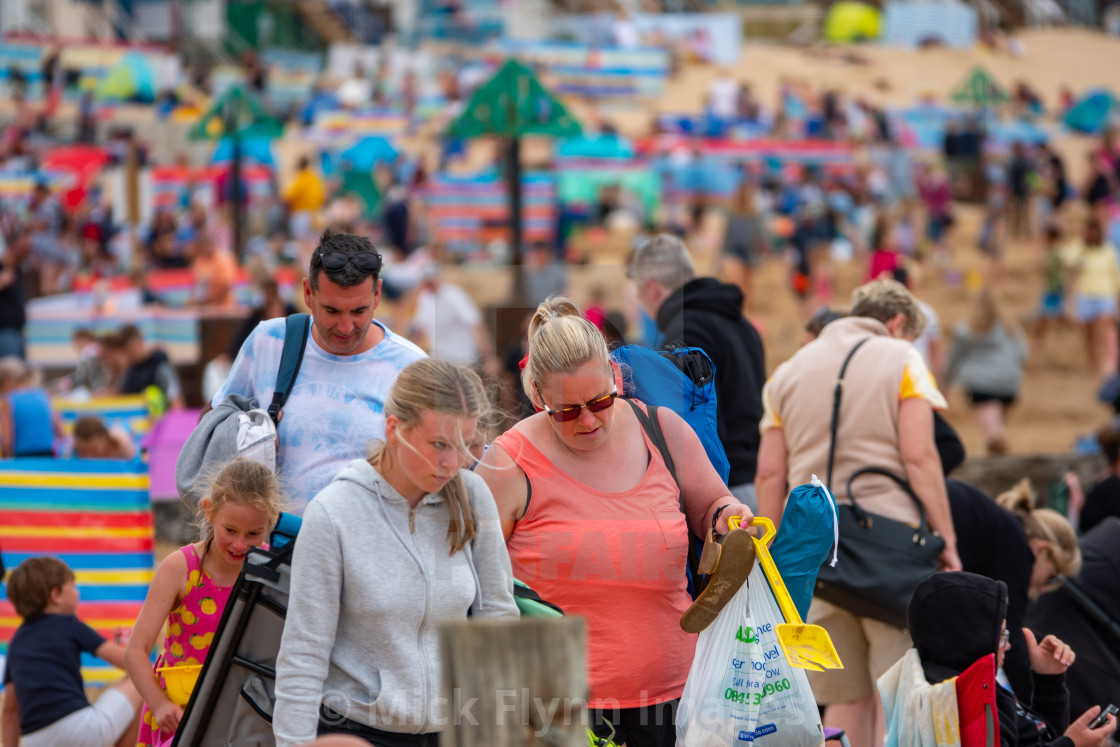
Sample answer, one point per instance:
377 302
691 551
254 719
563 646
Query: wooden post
515 683
132 195
516 220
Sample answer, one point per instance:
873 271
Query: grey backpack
238 427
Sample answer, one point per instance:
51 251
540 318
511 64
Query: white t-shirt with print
335 408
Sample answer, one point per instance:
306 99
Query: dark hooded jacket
955 619
991 542
1097 668
707 314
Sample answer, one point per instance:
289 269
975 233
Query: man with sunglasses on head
350 363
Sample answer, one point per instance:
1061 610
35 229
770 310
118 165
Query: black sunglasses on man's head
336 260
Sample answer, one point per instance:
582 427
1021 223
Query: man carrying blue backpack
707 314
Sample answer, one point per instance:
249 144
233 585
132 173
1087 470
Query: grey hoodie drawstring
470 557
389 523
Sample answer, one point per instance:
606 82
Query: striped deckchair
95 516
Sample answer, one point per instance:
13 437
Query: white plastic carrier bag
741 689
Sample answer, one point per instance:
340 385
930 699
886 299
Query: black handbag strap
837 393
860 514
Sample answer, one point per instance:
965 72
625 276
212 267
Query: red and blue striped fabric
466 212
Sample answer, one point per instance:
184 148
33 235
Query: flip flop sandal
736 560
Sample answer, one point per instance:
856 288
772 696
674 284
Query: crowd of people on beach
394 438
457 511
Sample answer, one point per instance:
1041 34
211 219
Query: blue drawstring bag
806 538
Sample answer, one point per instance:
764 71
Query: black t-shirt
1103 501
142 375
45 665
13 302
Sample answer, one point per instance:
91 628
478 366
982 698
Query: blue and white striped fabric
49 333
597 72
908 24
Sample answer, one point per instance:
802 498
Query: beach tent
848 22
132 78
1092 113
979 89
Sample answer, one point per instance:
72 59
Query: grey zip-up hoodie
372 580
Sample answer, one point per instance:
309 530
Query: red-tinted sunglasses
571 412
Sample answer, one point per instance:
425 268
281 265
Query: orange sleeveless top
616 559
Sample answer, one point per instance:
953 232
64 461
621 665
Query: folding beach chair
233 700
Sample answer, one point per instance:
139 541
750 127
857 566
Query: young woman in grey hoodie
395 546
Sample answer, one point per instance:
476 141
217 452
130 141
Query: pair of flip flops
729 563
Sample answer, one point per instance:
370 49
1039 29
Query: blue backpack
683 380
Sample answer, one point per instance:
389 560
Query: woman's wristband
715 517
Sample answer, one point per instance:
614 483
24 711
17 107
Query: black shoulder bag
880 560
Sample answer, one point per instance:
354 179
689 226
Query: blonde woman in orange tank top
593 522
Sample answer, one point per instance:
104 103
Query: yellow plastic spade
805 646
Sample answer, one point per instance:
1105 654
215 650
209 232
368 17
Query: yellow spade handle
762 554
735 522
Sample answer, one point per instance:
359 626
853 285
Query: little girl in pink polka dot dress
191 587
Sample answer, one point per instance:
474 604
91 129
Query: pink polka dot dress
190 631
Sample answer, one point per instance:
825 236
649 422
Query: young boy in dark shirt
44 698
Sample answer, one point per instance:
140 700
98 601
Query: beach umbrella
131 78
363 155
81 162
258 149
511 105
368 152
979 89
1092 113
238 116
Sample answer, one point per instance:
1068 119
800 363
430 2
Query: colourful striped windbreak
50 327
468 211
95 516
129 411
